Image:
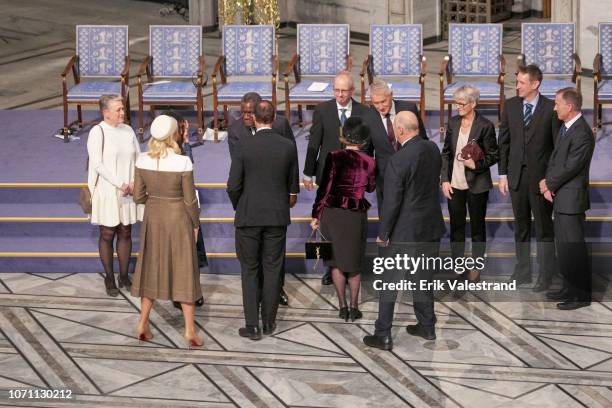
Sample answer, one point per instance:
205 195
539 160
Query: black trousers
261 252
524 203
423 300
574 261
477 206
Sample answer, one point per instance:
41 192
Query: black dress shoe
520 278
268 328
250 332
327 278
197 303
124 281
283 299
421 331
344 313
561 294
379 342
572 304
354 314
111 286
542 285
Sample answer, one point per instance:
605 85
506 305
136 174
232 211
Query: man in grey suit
380 120
411 224
262 186
243 129
566 185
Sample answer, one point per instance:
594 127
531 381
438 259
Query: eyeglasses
462 104
246 113
342 91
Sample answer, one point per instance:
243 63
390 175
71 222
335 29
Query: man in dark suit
411 224
327 119
244 128
380 120
241 129
526 135
566 185
262 186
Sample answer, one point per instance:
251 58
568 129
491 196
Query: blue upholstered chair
322 52
396 53
100 66
602 73
551 46
174 71
475 53
248 64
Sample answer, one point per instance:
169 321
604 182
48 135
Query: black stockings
124 248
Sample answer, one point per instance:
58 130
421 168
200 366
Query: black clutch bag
318 250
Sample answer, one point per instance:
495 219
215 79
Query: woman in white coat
113 148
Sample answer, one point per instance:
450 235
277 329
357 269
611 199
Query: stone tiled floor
60 331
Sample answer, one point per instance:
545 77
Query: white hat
163 127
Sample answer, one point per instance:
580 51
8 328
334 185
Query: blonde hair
159 148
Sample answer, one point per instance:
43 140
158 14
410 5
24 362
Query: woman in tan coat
167 266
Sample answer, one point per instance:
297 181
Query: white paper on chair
209 134
317 87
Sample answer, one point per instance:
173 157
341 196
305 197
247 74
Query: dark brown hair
534 72
264 112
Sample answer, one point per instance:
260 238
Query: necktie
527 114
390 132
252 129
562 132
343 117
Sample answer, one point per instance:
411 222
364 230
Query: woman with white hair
167 266
113 148
470 149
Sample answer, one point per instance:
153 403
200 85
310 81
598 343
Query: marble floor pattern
60 331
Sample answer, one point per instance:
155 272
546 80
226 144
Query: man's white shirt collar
571 122
348 107
533 102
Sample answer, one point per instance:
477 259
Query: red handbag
471 151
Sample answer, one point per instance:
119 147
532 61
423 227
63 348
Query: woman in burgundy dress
340 211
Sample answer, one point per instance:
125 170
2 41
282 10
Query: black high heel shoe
344 313
125 281
355 314
110 286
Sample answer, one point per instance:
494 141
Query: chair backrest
550 46
396 49
322 48
175 50
101 49
475 49
249 50
605 47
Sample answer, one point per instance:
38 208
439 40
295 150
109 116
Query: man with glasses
327 120
242 129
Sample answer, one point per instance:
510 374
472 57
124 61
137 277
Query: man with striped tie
327 119
526 141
